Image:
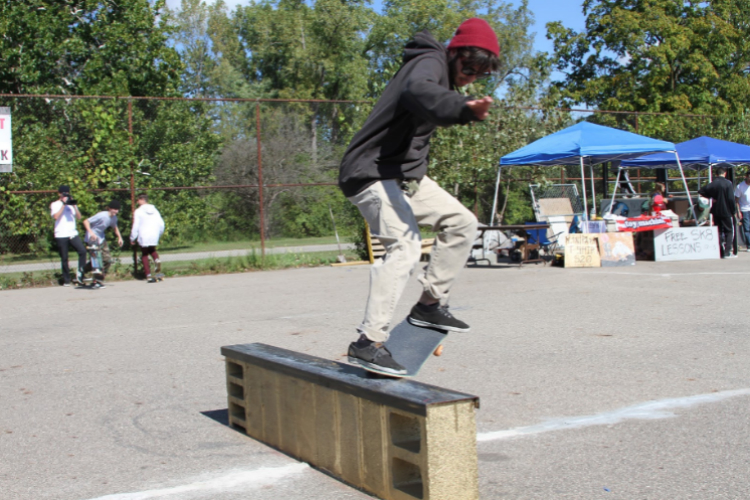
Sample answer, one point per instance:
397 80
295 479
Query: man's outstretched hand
480 107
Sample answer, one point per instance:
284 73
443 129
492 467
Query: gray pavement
626 383
54 264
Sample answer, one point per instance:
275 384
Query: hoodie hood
148 208
422 43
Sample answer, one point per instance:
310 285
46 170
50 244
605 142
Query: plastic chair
539 237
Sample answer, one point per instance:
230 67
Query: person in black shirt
383 172
723 208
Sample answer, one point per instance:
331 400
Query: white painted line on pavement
649 410
670 275
249 479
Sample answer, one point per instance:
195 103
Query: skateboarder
65 213
383 173
95 228
148 227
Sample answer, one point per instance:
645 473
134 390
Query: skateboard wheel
438 351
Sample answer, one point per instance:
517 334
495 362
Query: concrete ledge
397 439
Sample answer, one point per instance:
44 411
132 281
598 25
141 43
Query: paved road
174 257
627 383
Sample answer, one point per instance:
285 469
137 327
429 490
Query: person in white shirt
742 198
148 227
65 213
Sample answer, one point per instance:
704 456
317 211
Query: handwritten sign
581 250
6 141
686 243
616 249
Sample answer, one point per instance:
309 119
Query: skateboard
411 346
158 276
95 251
87 284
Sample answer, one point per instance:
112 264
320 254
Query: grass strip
225 265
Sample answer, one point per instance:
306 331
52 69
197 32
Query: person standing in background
148 226
723 208
742 198
65 213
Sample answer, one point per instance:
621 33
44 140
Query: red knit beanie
476 32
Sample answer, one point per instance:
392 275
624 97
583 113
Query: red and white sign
6 141
643 223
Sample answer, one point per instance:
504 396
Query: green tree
96 48
191 39
680 56
86 47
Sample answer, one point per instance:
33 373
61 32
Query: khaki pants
394 218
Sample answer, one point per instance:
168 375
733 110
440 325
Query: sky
567 11
570 12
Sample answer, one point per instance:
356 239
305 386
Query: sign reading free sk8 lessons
686 243
581 250
6 141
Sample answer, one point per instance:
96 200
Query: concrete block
397 439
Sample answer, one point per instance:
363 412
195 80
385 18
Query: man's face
141 201
464 75
113 211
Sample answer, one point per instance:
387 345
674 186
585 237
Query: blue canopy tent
698 154
701 153
583 144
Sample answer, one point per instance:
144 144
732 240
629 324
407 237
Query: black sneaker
436 317
98 284
374 356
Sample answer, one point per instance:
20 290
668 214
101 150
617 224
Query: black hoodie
394 142
721 190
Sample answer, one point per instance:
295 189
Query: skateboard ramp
397 439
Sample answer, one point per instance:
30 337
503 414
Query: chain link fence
231 177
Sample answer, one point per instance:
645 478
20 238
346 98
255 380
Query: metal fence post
260 182
132 180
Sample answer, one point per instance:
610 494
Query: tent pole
593 191
699 178
710 201
687 190
585 199
617 184
494 201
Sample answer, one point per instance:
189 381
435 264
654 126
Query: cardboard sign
6 141
617 249
687 243
581 250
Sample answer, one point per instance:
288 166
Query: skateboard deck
86 285
411 346
95 251
159 276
